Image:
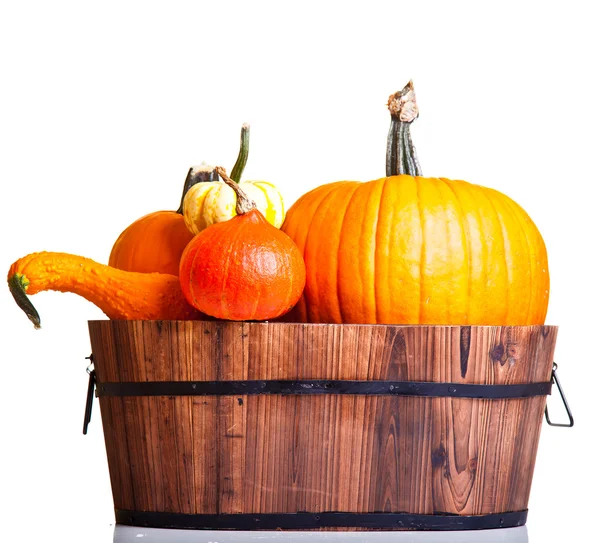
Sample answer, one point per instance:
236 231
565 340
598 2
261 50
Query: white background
104 106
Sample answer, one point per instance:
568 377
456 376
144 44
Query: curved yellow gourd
120 294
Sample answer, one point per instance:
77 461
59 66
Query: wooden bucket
226 425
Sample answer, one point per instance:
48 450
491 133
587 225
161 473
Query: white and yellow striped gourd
212 202
209 202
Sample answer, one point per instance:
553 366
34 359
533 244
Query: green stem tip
17 285
240 164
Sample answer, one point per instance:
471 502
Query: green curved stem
240 164
17 285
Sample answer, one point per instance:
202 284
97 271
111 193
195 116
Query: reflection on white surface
132 534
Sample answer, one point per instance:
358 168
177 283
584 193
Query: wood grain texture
282 454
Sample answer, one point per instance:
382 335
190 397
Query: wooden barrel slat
284 454
113 418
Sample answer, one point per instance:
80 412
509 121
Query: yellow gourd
213 202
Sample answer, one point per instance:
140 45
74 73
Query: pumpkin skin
243 268
213 202
153 243
416 250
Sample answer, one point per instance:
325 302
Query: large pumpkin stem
243 204
240 164
401 156
197 174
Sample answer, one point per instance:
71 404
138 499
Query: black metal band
311 521
390 388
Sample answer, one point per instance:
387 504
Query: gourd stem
16 285
401 156
243 204
197 174
240 164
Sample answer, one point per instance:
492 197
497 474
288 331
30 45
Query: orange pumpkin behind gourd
155 242
407 249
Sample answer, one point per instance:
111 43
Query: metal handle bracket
555 380
90 394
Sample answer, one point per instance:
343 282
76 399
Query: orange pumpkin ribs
407 249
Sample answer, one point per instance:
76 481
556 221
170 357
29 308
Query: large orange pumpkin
407 249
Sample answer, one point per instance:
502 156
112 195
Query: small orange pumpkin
243 268
155 242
